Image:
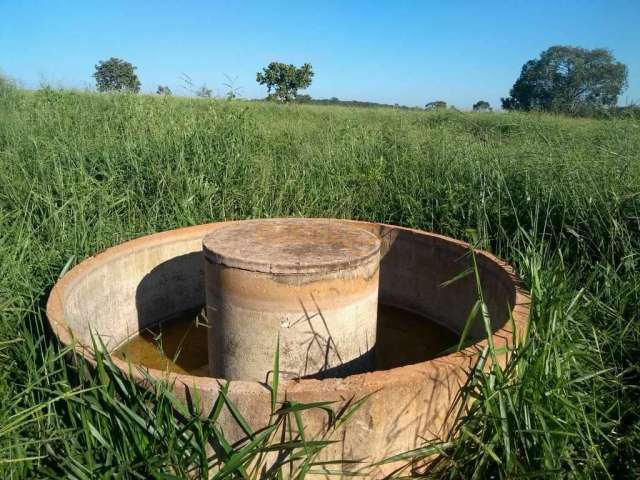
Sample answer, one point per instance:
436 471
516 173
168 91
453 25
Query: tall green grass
557 197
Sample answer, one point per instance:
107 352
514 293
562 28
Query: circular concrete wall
139 283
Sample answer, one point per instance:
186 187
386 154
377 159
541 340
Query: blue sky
407 52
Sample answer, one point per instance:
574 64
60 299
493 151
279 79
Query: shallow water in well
180 345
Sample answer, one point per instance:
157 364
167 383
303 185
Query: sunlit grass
557 197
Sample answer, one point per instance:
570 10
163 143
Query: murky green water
180 345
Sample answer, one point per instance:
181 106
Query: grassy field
557 197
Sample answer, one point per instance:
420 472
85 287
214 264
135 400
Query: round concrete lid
290 245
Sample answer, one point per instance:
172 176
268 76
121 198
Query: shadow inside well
180 344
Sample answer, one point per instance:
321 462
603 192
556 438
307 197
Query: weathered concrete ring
143 282
311 283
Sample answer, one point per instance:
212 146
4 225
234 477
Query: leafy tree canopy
437 105
481 106
163 90
568 79
116 75
285 80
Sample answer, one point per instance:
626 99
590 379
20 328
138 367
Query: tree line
562 79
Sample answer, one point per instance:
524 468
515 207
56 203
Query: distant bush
482 106
585 111
306 99
437 105
204 92
632 111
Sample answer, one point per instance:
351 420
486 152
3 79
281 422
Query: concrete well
137 284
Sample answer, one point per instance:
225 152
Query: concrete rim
509 334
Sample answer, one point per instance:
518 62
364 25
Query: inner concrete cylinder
311 283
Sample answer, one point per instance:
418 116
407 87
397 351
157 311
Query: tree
116 75
568 79
482 106
163 90
303 98
285 80
437 105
